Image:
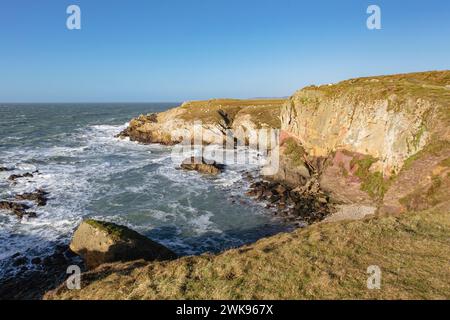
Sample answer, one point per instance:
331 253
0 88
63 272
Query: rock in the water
99 242
202 165
5 169
39 196
20 261
19 209
14 177
307 204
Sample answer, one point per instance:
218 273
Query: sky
177 50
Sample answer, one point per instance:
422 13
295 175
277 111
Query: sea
89 173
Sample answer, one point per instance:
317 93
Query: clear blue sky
174 50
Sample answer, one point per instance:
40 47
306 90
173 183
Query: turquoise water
89 173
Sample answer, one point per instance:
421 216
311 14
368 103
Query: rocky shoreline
36 275
47 272
343 144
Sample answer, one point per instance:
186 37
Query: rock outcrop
210 122
19 209
301 205
100 242
202 165
40 196
14 177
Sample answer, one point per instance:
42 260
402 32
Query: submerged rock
14 177
99 242
39 196
19 209
202 165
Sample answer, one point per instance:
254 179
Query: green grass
294 151
373 183
112 229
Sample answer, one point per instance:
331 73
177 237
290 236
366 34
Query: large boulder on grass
99 242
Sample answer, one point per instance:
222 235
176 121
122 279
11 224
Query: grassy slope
265 111
327 260
431 86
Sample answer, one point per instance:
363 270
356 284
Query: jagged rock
202 165
39 196
307 203
20 261
14 177
19 209
5 169
99 242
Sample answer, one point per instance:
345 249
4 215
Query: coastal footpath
377 149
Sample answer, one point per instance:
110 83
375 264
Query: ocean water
90 173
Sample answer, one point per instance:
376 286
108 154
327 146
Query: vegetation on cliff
264 112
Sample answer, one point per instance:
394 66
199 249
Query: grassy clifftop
328 260
432 86
262 111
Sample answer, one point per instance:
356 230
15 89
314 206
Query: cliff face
390 118
369 128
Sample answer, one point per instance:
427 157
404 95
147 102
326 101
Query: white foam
86 167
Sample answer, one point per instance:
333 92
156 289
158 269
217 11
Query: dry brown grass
262 111
324 261
398 89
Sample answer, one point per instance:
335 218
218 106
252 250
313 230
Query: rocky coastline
362 147
372 146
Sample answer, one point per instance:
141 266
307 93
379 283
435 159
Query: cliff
376 140
214 117
378 143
